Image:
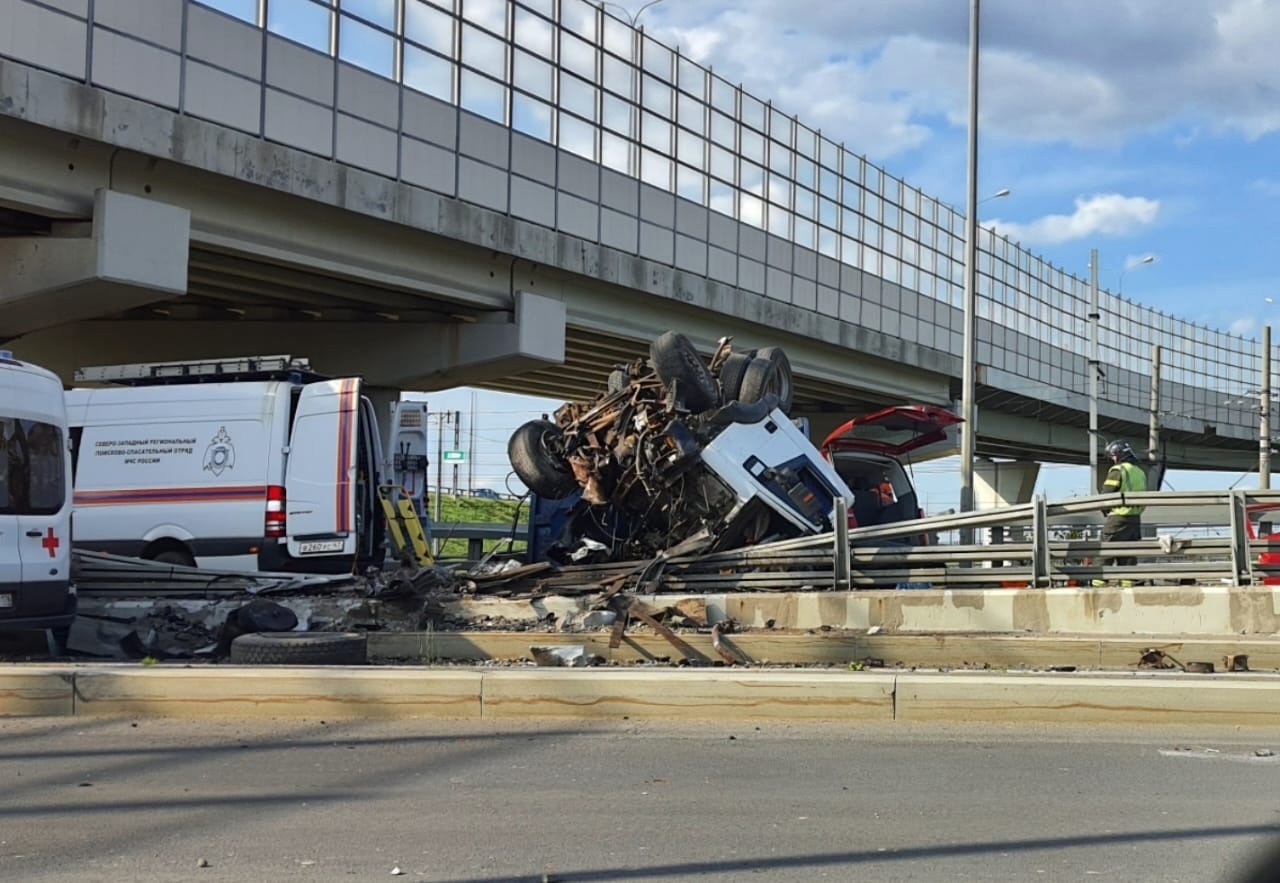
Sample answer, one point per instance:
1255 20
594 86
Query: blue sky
1140 128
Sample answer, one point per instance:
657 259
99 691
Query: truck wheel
542 472
759 380
677 362
731 374
300 648
786 387
178 557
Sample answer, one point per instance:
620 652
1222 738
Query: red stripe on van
346 420
117 496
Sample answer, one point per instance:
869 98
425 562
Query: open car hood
893 431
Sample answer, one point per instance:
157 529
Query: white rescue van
36 591
245 464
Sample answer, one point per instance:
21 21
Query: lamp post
1264 413
968 382
1149 259
631 17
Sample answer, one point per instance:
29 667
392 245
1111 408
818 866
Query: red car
868 453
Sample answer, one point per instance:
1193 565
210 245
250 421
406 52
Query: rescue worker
887 496
1124 522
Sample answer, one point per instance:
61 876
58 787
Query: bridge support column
1005 482
133 253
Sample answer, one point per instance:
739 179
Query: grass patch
474 510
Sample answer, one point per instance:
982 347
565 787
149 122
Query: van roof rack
227 370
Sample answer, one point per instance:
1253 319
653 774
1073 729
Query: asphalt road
177 800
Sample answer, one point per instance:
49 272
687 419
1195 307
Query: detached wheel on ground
542 471
677 362
300 648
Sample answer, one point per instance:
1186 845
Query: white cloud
1107 214
1243 327
879 73
1267 186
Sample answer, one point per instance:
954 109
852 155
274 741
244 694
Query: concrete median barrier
278 692
689 695
31 691
727 694
1153 698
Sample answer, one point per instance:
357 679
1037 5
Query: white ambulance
36 591
251 463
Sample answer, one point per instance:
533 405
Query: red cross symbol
51 543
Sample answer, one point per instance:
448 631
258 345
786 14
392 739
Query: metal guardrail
1043 561
476 534
872 557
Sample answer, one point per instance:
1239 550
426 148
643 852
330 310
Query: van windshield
32 475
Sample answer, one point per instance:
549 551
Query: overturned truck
679 454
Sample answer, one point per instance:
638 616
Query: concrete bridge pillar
1004 482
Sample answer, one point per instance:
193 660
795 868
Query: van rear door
320 478
45 523
10 549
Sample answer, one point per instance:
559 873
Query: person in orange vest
887 497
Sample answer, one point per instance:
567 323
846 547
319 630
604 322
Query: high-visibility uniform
1124 522
1124 478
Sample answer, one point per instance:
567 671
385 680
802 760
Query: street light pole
968 380
633 18
1264 413
1149 259
1094 370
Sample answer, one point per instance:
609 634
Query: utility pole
1153 435
1095 370
471 449
1264 413
457 440
968 381
441 417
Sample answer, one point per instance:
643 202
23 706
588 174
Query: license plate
318 546
6 600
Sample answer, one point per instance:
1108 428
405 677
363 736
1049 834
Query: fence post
840 560
1241 565
1040 575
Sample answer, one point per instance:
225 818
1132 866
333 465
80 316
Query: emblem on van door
221 453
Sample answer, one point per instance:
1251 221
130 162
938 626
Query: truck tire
786 386
300 648
731 374
677 362
761 379
543 472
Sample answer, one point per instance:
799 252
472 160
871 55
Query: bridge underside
269 272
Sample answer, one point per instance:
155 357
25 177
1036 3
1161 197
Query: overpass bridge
517 194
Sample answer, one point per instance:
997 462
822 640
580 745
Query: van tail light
274 524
